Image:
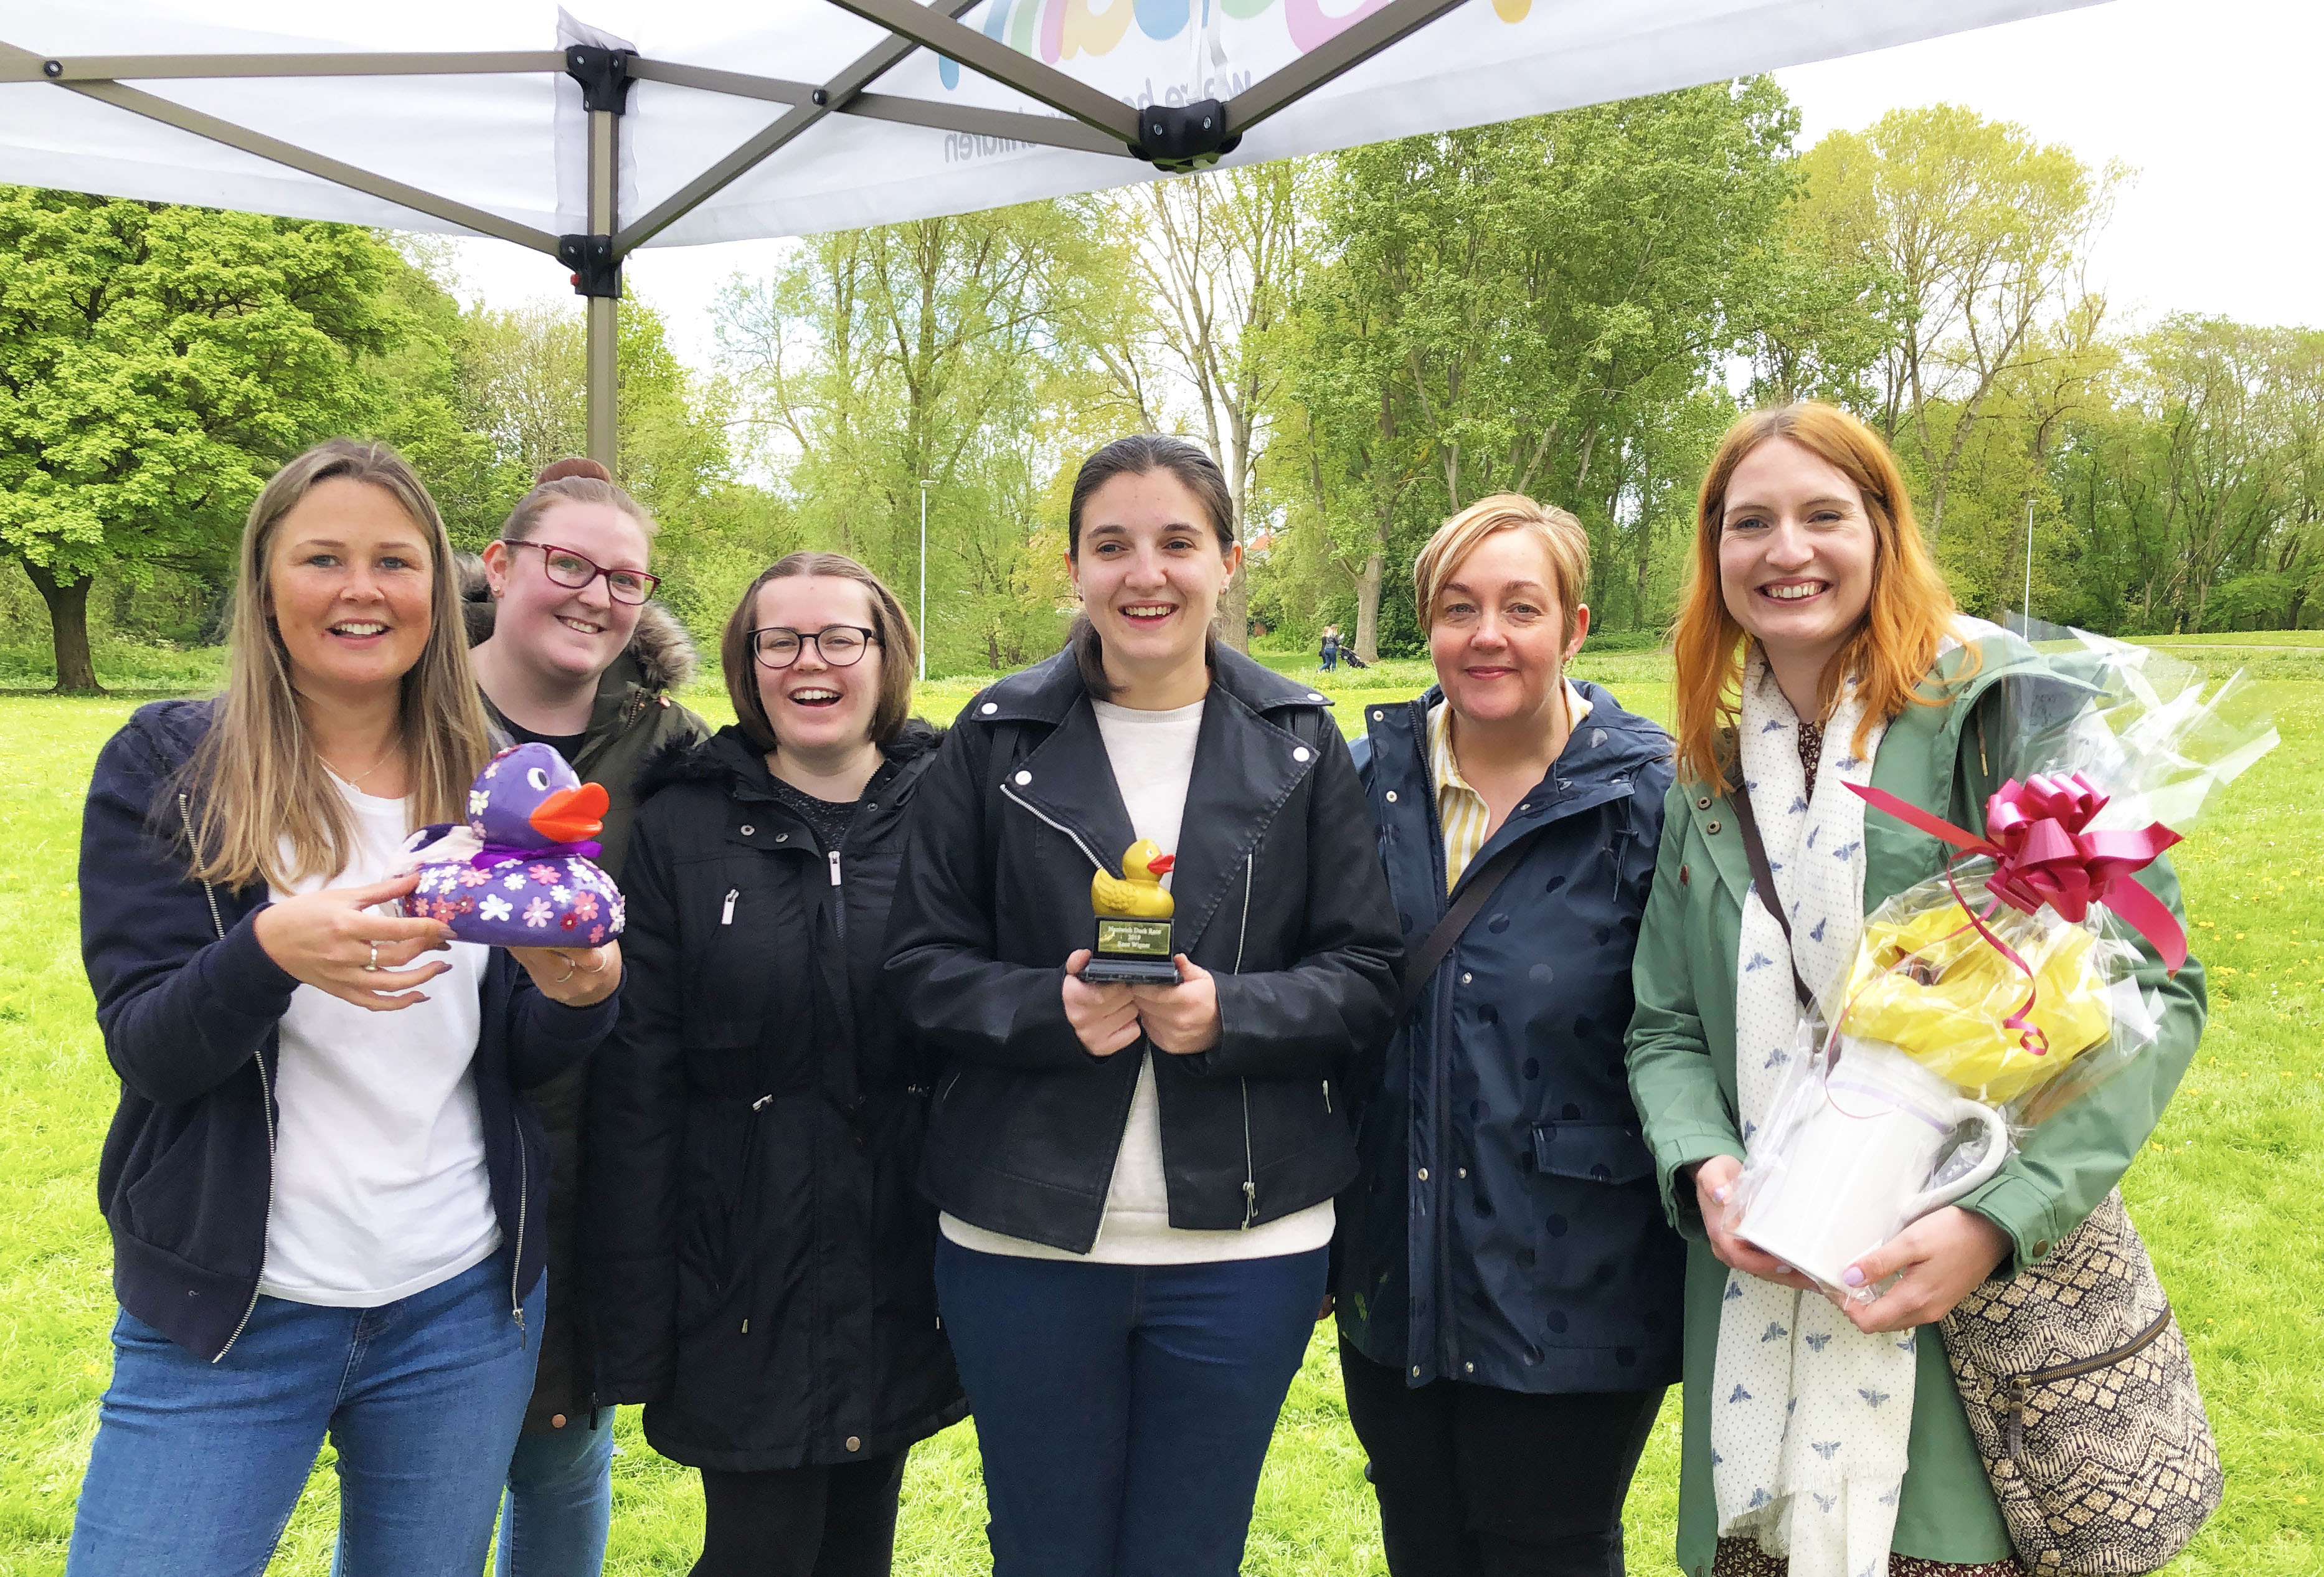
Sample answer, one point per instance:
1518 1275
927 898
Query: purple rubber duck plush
520 872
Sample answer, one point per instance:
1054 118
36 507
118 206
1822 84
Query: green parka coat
1945 759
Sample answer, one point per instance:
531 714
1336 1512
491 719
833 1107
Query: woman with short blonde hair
1817 650
1506 1278
324 1188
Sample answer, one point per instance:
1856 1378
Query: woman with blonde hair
323 1184
1507 1283
1817 648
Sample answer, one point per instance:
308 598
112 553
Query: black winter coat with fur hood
761 1265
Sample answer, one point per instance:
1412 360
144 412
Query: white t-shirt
379 1185
1153 757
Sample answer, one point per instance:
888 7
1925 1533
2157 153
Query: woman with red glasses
569 651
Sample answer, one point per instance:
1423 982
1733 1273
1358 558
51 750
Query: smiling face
571 633
348 583
1496 634
811 705
1795 552
1149 571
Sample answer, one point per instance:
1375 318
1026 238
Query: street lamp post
926 483
2026 618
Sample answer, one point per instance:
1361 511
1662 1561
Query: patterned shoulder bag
2082 1401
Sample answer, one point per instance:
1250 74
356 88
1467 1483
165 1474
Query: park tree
1981 232
1216 258
950 351
1493 308
156 365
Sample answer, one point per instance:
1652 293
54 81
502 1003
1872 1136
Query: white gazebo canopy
683 122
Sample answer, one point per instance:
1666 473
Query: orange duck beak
571 814
1160 864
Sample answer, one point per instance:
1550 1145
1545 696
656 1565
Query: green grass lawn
2226 1196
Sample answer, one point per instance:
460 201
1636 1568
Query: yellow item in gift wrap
1933 987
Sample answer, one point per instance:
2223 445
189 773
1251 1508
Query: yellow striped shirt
1461 812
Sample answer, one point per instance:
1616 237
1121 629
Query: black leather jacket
1279 895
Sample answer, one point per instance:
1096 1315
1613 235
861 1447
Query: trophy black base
1102 971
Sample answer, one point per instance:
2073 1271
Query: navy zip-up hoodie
188 1003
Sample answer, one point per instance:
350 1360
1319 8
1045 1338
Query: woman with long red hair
1817 647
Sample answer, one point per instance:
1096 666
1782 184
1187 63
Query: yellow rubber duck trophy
1133 921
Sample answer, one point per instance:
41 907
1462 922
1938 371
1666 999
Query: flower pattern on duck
521 864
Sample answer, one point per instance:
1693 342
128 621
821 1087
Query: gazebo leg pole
604 325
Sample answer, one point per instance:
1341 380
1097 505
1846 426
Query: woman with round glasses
767 1285
570 653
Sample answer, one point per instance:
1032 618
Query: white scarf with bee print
1810 1416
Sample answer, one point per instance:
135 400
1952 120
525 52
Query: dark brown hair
900 648
1138 456
577 480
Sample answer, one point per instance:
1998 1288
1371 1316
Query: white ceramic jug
1855 1169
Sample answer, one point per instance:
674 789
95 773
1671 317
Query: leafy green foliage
156 363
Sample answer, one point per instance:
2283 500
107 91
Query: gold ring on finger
374 962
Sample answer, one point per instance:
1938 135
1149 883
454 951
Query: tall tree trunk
1234 611
68 630
1368 596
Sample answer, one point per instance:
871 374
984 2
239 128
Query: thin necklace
356 781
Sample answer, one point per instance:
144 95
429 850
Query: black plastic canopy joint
1180 137
596 271
604 75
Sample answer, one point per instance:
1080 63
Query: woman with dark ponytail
569 651
1137 1180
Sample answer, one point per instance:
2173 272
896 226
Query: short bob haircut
1562 540
900 648
1894 647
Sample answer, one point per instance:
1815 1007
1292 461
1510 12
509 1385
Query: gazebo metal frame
1172 138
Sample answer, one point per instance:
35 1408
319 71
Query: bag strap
1422 964
1763 874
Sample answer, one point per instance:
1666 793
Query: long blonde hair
267 810
1894 645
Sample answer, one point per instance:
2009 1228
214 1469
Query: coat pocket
1592 1152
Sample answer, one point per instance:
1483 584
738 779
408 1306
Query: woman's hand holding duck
1103 1016
331 940
1183 1019
578 980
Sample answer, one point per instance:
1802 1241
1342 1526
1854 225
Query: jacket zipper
726 915
2010 1398
1249 1166
1046 821
516 1261
835 868
265 1110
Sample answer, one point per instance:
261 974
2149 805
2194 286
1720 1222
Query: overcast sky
2214 106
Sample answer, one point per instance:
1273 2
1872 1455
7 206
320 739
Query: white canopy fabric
513 144
670 122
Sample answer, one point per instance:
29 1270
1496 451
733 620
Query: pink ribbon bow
2035 836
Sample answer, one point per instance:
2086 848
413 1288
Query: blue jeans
199 1465
561 1500
1124 1411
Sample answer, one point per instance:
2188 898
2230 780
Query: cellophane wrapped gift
1991 996
522 871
